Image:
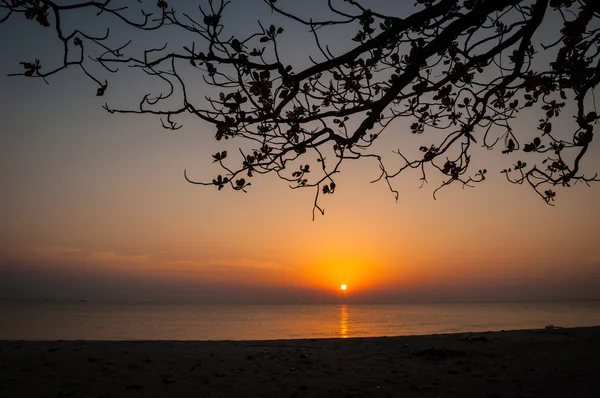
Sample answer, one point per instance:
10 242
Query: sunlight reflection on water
344 321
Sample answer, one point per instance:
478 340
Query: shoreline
551 328
543 363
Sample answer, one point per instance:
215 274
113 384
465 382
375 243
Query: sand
544 363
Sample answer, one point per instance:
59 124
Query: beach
542 363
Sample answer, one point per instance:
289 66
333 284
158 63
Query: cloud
75 272
89 254
57 250
247 263
594 259
5 259
151 264
115 257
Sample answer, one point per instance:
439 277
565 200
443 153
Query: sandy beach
530 363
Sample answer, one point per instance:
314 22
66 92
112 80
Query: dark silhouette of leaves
458 73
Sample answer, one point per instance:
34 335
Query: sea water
74 320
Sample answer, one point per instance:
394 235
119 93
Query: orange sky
96 204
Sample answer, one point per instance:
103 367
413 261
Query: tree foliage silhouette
464 67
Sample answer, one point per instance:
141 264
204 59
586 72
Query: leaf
236 45
591 117
30 67
211 69
563 95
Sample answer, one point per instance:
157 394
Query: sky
95 206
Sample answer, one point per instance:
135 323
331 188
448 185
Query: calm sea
54 320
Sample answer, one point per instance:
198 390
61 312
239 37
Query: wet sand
543 363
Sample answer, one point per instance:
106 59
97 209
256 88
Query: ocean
74 320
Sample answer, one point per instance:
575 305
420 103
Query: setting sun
343 287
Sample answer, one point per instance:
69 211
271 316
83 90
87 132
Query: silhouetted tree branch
466 68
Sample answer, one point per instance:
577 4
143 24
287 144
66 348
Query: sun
343 287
